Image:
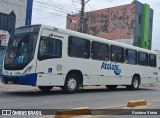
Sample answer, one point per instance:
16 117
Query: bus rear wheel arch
45 88
135 83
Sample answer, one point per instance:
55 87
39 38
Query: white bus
48 57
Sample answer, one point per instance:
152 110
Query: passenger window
49 48
143 58
117 54
131 57
152 60
78 47
100 51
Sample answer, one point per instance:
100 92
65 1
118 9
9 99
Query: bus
47 57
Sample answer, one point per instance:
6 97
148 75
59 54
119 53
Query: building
131 24
13 14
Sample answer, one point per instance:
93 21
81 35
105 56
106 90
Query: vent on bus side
59 67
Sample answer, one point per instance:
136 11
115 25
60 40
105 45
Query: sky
53 12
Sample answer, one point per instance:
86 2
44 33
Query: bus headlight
27 71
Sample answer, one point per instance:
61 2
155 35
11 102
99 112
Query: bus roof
94 38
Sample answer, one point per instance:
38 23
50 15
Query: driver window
49 48
43 47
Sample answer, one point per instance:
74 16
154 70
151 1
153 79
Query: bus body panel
53 72
50 80
52 69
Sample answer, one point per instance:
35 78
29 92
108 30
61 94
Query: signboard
2 36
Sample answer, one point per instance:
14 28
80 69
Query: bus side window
152 60
100 51
131 56
78 47
49 48
117 54
42 47
143 58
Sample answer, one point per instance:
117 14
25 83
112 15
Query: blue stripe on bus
29 79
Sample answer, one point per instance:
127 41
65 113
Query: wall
130 22
21 8
110 23
139 32
13 14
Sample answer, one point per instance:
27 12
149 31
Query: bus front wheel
45 88
71 84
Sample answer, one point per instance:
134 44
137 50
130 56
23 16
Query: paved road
31 98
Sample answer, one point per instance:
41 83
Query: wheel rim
72 84
135 83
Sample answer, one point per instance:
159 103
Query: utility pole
82 18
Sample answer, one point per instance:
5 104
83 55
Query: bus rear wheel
45 88
111 87
71 84
135 83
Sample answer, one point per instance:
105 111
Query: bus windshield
20 49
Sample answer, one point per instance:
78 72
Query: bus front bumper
29 79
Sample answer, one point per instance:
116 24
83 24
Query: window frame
115 56
88 56
154 61
146 60
44 58
136 57
102 53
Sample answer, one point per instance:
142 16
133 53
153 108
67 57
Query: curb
73 112
136 103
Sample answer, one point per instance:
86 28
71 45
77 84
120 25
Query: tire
135 83
45 88
71 84
111 87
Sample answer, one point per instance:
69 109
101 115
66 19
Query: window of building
2 21
49 48
78 47
139 19
152 60
143 58
5 22
150 23
131 57
100 51
117 54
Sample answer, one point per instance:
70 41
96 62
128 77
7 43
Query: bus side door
50 61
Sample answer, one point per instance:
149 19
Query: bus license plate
10 82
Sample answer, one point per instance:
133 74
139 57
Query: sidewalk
6 87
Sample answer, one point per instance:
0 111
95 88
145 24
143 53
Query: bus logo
111 66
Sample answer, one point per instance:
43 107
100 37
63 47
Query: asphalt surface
18 97
26 97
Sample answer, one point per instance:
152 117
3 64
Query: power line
90 7
33 8
52 5
51 8
49 5
61 6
